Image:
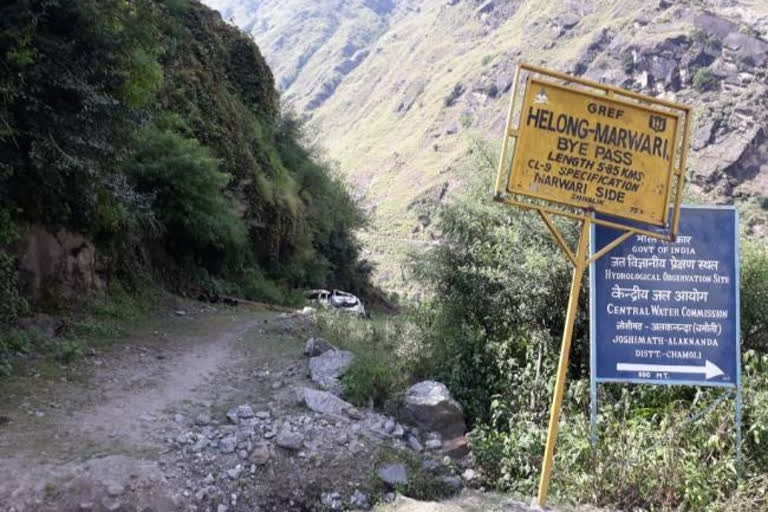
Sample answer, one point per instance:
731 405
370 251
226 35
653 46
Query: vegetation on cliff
154 128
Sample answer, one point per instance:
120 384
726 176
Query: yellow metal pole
562 367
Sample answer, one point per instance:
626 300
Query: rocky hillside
397 90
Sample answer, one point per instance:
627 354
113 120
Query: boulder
430 406
261 454
227 444
327 368
317 346
456 448
325 402
359 500
63 262
393 474
290 440
414 444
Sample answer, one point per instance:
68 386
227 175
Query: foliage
154 128
754 294
498 288
11 302
70 72
14 342
672 450
704 80
490 330
454 95
100 320
186 187
383 360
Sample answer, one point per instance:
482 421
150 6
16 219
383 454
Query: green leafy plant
704 80
187 188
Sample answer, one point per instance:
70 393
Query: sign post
668 313
588 147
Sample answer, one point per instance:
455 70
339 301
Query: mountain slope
436 74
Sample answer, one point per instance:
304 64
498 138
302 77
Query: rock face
430 406
327 368
63 262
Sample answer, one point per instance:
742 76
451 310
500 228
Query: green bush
186 186
384 350
11 302
498 286
660 457
14 342
255 286
372 379
490 331
754 294
65 350
704 80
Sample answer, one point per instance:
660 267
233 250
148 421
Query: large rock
64 263
327 368
393 474
325 402
430 406
289 439
317 346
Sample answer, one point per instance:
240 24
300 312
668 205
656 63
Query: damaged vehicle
336 299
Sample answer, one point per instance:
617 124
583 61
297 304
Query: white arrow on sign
710 370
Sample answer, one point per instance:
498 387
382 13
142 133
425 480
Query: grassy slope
391 155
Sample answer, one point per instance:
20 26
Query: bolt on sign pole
572 148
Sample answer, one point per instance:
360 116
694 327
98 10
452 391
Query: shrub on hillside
490 331
385 352
754 294
498 286
704 80
454 95
183 179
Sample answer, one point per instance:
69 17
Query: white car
336 299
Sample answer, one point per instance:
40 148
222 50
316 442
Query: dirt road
204 412
95 435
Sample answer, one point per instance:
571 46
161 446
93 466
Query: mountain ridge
402 120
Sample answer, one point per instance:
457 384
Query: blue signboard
668 312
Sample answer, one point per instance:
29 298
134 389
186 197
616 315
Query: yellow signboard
594 151
611 151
